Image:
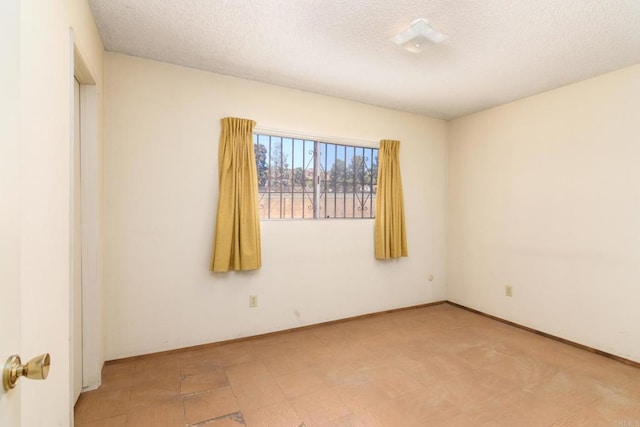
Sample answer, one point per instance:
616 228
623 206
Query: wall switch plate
508 291
253 301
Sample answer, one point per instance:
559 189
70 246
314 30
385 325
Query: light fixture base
417 36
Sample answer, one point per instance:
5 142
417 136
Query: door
10 312
35 260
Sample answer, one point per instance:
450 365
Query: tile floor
433 366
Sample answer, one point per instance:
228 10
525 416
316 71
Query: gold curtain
390 233
236 245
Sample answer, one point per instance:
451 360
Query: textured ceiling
497 50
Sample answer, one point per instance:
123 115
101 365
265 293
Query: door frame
92 313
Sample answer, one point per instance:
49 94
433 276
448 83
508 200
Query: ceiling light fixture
417 36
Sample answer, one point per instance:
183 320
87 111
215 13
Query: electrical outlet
508 291
253 301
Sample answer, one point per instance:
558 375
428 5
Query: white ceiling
497 50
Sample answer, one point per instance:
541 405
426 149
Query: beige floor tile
157 391
320 407
165 360
168 414
118 367
255 394
117 381
222 422
468 420
525 371
359 395
277 345
199 362
209 405
236 353
631 388
427 404
299 383
350 420
516 408
570 390
156 368
333 374
488 353
280 414
367 364
287 363
355 354
608 371
203 382
118 375
387 415
618 407
470 392
438 365
117 421
246 371
393 381
97 405
586 418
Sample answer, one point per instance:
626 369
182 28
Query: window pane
287 187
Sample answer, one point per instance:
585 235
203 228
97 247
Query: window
306 179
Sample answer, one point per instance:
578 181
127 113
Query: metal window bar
322 173
370 181
312 180
363 185
329 181
353 183
269 175
374 181
323 167
280 175
304 178
364 200
357 182
292 179
344 181
326 154
361 179
317 171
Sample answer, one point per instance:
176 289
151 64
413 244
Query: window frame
317 140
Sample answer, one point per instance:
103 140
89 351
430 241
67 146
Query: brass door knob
35 369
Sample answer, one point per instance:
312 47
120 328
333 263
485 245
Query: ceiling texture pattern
496 51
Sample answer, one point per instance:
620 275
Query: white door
10 311
35 105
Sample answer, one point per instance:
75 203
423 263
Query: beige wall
543 195
161 140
